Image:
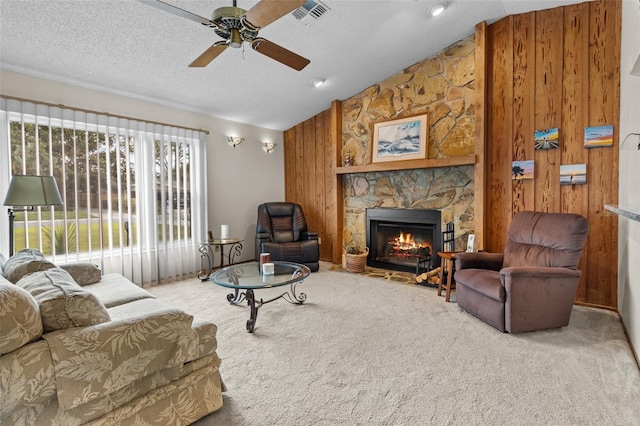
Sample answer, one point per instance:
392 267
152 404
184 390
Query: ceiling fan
236 26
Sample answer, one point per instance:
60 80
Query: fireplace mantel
428 163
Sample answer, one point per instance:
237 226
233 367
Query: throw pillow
25 262
19 317
63 303
83 273
2 261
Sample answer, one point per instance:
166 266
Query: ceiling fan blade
279 53
209 55
159 4
267 11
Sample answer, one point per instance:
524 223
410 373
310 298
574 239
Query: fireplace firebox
403 239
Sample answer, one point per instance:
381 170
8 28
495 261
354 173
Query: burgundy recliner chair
532 285
282 232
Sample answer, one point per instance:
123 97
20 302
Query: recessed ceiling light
317 82
438 8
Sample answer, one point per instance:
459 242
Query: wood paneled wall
310 156
534 71
556 68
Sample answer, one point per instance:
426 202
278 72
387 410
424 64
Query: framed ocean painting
598 136
400 139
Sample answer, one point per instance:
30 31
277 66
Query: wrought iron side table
206 254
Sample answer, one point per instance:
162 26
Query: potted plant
356 258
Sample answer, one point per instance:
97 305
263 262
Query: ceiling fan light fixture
317 82
438 8
235 40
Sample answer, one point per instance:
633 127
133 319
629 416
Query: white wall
629 230
238 178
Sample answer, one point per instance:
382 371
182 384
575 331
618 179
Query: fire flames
406 243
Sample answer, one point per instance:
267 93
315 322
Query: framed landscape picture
598 136
573 174
401 139
546 139
522 170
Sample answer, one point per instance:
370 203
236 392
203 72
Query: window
126 186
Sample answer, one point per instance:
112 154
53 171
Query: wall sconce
234 140
268 147
29 191
634 145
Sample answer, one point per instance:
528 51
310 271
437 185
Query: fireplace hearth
403 239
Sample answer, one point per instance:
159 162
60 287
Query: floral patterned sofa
80 348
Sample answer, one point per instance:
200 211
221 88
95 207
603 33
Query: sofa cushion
25 262
63 303
19 317
2 261
114 290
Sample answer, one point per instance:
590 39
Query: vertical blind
134 192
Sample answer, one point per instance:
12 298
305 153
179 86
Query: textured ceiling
129 48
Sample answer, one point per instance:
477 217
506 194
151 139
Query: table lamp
30 191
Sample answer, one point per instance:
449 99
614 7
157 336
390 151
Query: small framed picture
598 136
470 241
573 174
522 170
546 139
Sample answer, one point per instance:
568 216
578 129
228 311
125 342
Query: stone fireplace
403 239
443 86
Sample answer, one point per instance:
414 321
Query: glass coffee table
248 277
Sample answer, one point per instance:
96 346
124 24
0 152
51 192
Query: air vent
310 11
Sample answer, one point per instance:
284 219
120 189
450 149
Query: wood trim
338 198
409 165
480 170
500 130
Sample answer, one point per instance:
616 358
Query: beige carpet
370 351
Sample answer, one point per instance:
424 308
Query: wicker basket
356 262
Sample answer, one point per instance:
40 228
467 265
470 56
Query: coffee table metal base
237 297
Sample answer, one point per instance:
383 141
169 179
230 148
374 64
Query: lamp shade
33 191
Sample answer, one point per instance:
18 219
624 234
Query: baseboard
633 350
624 327
593 305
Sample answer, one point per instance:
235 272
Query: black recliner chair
282 232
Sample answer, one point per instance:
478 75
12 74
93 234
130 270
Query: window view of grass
101 169
76 238
46 215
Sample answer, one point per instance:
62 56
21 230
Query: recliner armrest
479 260
514 277
263 236
539 272
308 235
538 297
